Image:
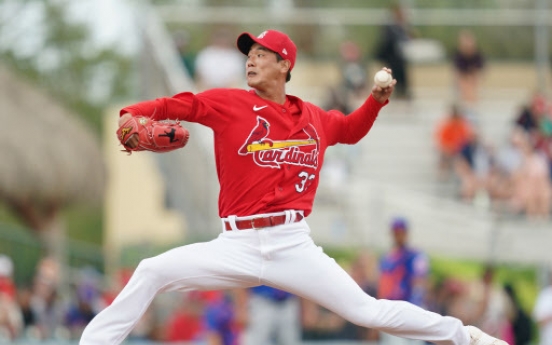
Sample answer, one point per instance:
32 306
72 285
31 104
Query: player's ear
286 65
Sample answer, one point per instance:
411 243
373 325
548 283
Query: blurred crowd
514 177
46 310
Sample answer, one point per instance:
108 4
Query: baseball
383 78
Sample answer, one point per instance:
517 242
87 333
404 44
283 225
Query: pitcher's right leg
219 264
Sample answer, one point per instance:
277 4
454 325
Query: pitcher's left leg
308 272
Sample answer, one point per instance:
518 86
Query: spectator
11 321
473 167
352 88
220 64
448 297
182 42
7 287
390 50
46 302
538 110
507 160
49 311
115 285
273 317
403 274
522 325
185 323
24 298
491 314
468 63
543 136
452 134
222 327
81 311
532 189
86 301
346 96
364 270
542 312
536 120
528 117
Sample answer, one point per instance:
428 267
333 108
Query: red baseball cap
274 40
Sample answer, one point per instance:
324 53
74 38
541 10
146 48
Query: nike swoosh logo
255 108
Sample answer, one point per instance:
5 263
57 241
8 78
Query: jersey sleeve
205 108
420 265
419 271
349 129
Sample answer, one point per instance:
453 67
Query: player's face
263 68
399 237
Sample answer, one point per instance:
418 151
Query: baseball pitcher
269 149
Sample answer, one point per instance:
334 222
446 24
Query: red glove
155 136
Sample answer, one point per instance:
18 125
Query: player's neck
274 95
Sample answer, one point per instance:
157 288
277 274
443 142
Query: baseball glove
155 136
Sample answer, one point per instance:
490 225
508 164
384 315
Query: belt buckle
269 218
252 221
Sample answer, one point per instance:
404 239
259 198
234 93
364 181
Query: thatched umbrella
48 159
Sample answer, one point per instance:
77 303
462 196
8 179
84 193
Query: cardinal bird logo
256 136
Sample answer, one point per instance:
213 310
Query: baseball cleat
478 337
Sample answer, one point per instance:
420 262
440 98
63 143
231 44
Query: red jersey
268 156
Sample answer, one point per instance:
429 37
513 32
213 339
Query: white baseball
383 78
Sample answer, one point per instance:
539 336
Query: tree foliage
66 62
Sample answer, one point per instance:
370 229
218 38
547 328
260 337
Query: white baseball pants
282 256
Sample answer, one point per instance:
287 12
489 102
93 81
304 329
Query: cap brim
244 42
